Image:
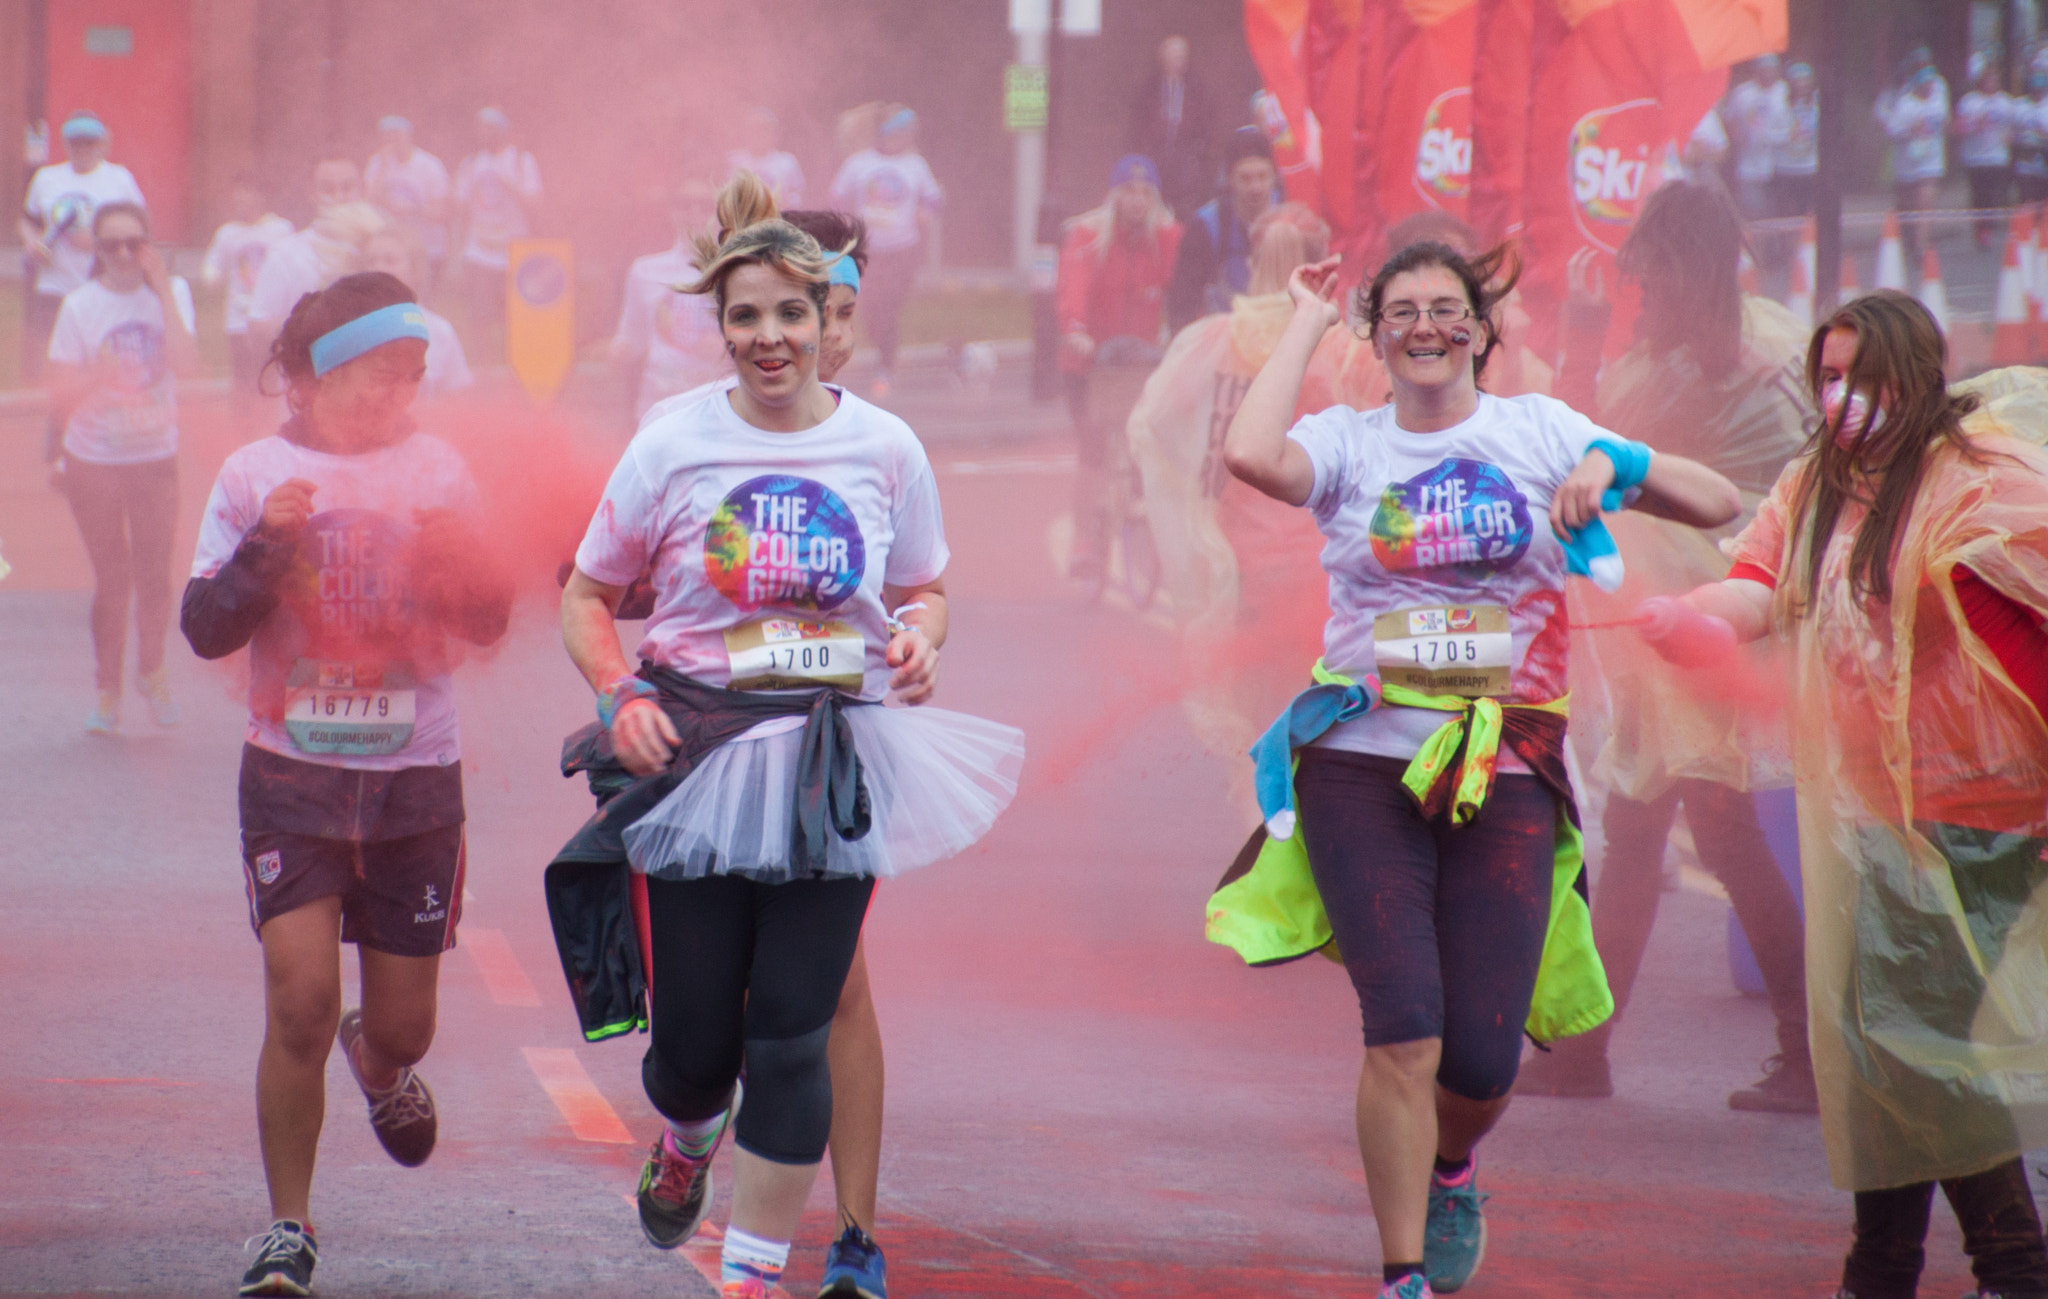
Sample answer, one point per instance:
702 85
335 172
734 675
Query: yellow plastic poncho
1657 723
1923 817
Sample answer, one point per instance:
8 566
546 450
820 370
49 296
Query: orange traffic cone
1809 254
1799 295
1850 288
1933 294
1891 256
2011 343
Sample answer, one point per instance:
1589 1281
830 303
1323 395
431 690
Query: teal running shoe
1413 1286
1454 1238
853 1266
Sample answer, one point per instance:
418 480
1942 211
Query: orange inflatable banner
1275 32
1425 117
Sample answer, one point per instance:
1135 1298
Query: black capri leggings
750 972
1441 930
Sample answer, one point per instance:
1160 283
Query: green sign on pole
1025 97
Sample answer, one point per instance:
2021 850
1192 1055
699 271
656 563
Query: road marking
1057 463
120 1082
506 981
590 1115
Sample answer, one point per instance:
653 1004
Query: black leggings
126 514
1441 930
748 972
2001 1234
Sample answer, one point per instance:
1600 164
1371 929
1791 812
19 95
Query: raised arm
1256 448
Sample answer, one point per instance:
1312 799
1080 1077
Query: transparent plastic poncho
1641 723
1922 777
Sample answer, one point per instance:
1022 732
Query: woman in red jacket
1114 267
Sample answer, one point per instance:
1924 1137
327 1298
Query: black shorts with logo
389 844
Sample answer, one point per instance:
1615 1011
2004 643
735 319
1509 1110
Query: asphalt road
1085 1098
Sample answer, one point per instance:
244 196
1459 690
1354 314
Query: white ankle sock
746 1256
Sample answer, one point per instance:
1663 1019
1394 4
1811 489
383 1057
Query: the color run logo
1461 514
1617 160
785 541
351 582
1443 157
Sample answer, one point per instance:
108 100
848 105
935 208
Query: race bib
1463 650
356 709
790 654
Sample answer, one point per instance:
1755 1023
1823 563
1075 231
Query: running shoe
751 1288
284 1261
402 1116
1579 1076
1785 1088
1413 1286
853 1266
1454 1237
156 688
105 718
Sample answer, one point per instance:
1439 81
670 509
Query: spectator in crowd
234 262
1985 117
412 186
497 190
1915 115
1214 255
1171 120
673 337
2030 138
892 189
1114 268
1758 117
397 251
56 225
330 247
1797 161
761 152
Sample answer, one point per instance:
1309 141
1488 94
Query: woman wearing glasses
122 339
1441 515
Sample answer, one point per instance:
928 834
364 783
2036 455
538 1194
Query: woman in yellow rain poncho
1905 559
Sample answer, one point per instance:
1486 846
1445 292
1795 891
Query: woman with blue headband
343 551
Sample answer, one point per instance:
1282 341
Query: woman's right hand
287 508
1585 282
643 737
1684 636
1313 288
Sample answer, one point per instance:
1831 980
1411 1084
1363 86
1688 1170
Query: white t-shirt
1798 154
1453 521
1759 118
496 189
676 332
1918 126
782 172
131 414
407 189
740 525
887 190
447 363
62 202
298 264
1984 127
668 405
348 600
235 259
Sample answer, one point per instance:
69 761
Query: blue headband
384 325
844 270
900 120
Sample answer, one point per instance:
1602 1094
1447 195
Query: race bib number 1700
792 654
1463 650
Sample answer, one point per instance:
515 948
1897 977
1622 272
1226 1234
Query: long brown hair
1686 251
1900 353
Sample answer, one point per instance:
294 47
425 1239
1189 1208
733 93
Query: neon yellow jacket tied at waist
1268 911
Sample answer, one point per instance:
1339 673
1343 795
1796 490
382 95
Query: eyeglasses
131 245
1403 314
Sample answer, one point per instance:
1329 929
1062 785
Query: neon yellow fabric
1274 913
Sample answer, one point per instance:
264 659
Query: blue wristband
620 693
1631 463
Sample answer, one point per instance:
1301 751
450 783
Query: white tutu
936 782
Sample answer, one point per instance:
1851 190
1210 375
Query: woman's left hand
1578 501
916 661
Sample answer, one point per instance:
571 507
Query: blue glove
1590 552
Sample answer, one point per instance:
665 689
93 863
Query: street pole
1831 70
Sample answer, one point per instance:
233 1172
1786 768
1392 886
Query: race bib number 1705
1463 650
